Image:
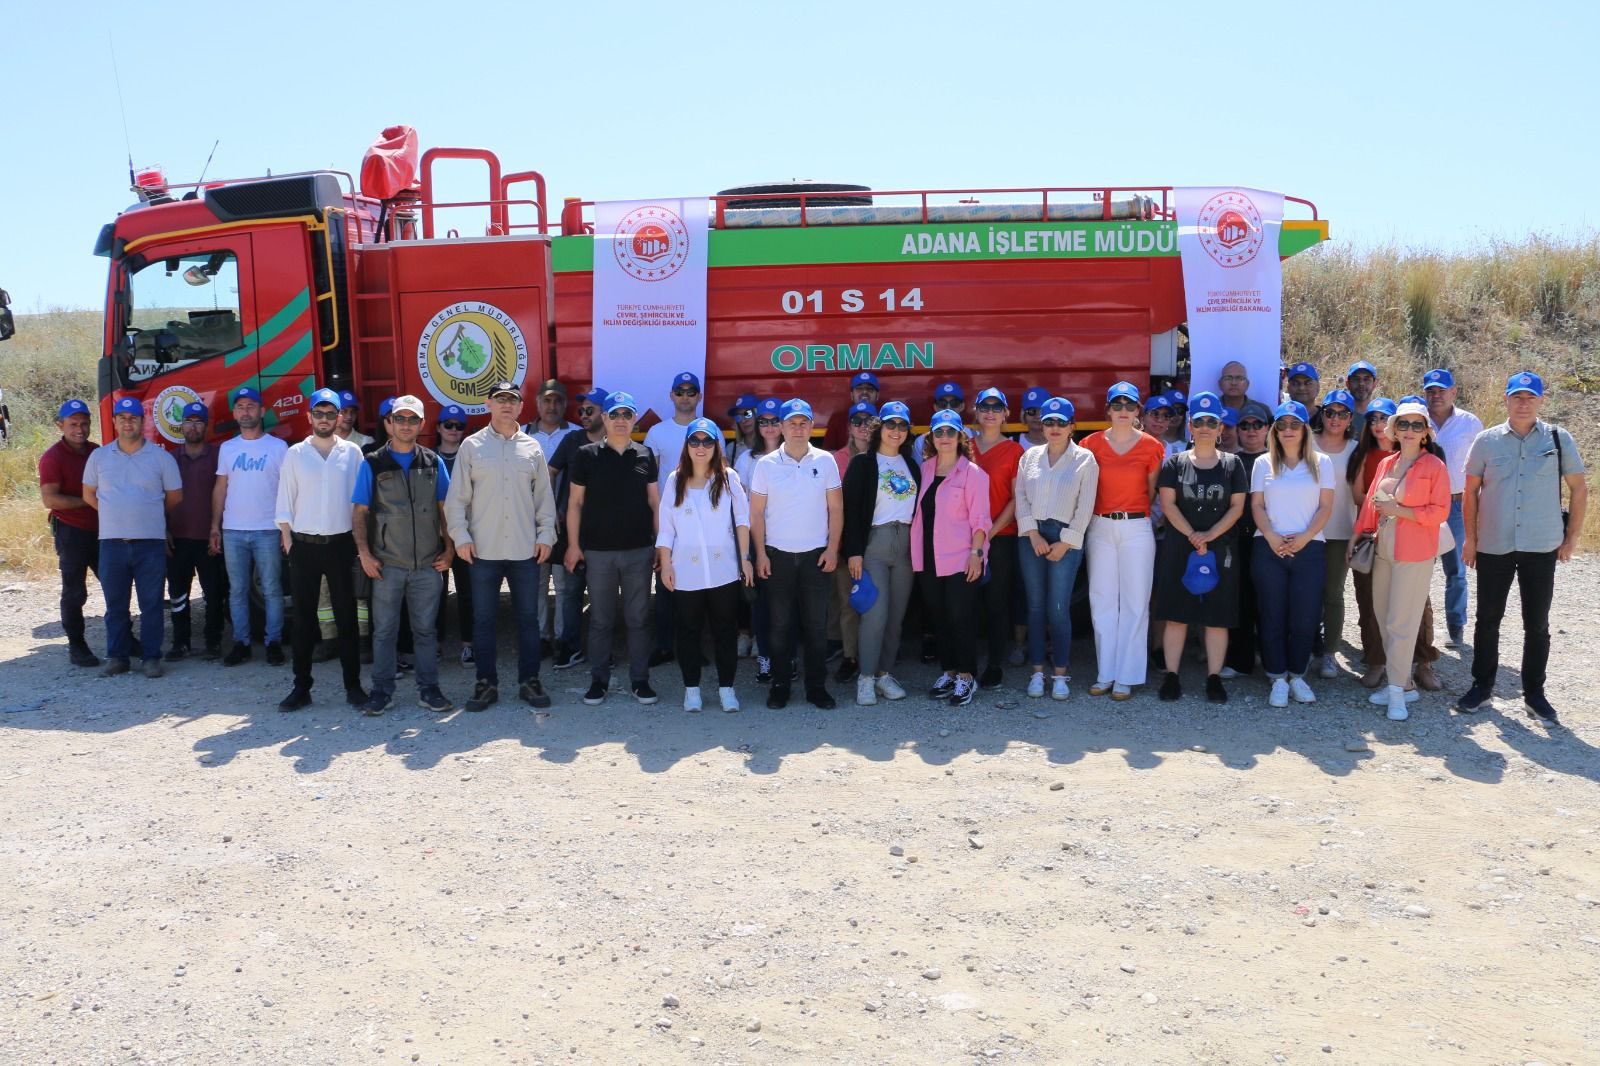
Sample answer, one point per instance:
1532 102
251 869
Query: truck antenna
207 167
126 137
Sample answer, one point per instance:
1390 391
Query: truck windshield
184 309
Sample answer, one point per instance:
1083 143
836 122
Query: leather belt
1455 497
319 538
1118 516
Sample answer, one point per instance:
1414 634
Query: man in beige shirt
502 516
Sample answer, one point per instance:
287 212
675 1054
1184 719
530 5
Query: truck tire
794 201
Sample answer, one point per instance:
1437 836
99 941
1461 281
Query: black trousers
309 563
192 558
691 610
1242 639
998 595
952 603
462 574
77 553
1535 575
797 581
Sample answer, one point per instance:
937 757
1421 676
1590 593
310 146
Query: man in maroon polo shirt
189 537
74 525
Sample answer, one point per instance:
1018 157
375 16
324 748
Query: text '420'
850 301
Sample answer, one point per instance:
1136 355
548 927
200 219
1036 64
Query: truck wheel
794 201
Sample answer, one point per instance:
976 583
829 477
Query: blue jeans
1455 575
523 577
1289 598
125 566
261 551
1049 589
420 590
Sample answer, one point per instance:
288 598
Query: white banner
1232 286
649 296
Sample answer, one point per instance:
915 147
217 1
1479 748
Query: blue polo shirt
363 490
131 489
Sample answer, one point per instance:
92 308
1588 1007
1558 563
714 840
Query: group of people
1209 511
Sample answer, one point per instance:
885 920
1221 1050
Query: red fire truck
292 282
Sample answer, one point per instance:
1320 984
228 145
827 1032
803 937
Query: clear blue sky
1426 125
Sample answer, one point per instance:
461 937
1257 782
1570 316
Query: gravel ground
189 876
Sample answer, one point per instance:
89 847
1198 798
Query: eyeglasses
946 431
1251 426
1122 405
861 420
1406 425
700 440
1205 422
320 416
1338 414
949 403
621 414
769 422
1030 412
587 411
685 392
457 426
405 420
991 408
896 425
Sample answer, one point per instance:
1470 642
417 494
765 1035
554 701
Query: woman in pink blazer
1407 502
949 548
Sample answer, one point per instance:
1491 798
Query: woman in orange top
1408 501
1121 547
998 455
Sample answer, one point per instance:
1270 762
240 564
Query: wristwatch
977 552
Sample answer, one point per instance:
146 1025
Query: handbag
1364 553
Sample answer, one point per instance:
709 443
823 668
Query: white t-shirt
251 467
665 438
797 497
1291 498
897 493
1342 522
745 466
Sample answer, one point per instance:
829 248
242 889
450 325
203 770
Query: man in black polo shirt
611 527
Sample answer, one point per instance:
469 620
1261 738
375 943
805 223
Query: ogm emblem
1230 229
168 410
651 243
467 347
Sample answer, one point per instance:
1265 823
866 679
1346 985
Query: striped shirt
1064 491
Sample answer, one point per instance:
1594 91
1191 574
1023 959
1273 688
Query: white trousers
1121 555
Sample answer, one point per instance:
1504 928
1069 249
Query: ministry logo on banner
649 296
1233 287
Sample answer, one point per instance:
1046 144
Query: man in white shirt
665 439
1455 430
244 525
796 520
551 426
349 407
313 518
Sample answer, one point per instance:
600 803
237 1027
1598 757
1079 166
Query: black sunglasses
861 420
769 421
621 414
1406 425
949 403
946 431
685 392
1205 422
318 415
405 420
1251 426
588 409
992 408
700 440
747 413
1339 413
452 425
1123 405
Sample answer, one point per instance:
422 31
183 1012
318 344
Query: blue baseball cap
128 406
1304 370
348 399
945 418
1361 364
619 400
863 408
327 396
703 425
1034 398
1205 403
73 407
1413 398
1123 389
796 408
746 402
1159 401
1230 416
1059 409
1176 398
1381 405
863 592
686 378
197 410
451 412
385 407
1291 409
244 392
1200 573
866 377
993 394
1525 381
949 388
596 396
769 408
1339 396
894 409
1439 378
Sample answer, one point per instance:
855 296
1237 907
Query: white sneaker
1280 693
1036 684
729 700
1381 696
1397 703
889 688
1058 687
1329 669
1302 691
691 698
743 647
866 692
1228 673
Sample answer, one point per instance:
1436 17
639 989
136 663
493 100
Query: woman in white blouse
1055 492
703 551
